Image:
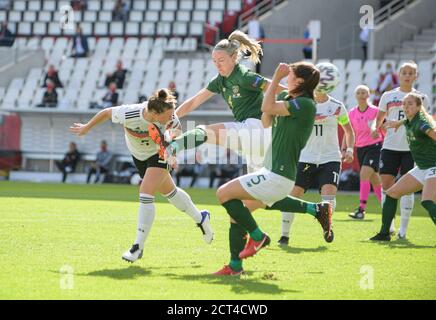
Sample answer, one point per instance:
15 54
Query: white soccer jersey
392 103
323 144
138 141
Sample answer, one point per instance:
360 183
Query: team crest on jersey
235 90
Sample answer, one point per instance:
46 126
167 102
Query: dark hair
309 73
161 101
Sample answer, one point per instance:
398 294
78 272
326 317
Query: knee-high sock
182 201
190 139
406 207
378 192
365 188
291 204
287 220
237 242
236 209
383 198
146 215
430 206
388 213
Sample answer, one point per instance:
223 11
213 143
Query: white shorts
250 139
266 186
422 175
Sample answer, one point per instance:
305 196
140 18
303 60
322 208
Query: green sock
190 139
291 204
236 264
388 213
430 206
236 243
236 209
257 234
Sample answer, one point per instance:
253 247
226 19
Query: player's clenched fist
282 71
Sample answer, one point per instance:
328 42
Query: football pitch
65 242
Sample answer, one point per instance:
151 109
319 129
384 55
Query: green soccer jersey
422 147
289 135
242 90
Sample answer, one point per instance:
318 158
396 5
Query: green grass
45 227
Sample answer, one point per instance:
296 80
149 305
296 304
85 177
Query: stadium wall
400 27
339 34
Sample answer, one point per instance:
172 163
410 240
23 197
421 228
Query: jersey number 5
400 115
259 178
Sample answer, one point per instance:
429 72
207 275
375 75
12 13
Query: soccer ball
329 77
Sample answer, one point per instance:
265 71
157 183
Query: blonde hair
419 102
411 64
238 42
364 87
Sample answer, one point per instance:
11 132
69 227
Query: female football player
292 119
368 148
421 136
320 160
395 155
243 91
141 122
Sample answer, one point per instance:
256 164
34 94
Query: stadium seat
148 28
2 15
105 16
19 5
29 16
100 28
196 29
155 5
186 5
14 16
86 28
190 44
136 16
202 5
152 16
130 47
371 66
54 29
94 5
218 5
163 28
354 65
183 16
90 16
39 28
34 5
180 29
170 5
116 28
199 16
139 5
167 16
25 28
234 5
49 5
45 16
174 44
108 5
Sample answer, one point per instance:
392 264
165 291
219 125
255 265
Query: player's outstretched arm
193 103
269 105
279 89
81 129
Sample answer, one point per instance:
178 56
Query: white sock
331 200
406 206
146 215
182 201
287 220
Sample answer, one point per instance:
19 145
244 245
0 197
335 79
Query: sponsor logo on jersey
297 106
235 90
137 133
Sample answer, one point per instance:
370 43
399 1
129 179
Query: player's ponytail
161 101
310 75
239 43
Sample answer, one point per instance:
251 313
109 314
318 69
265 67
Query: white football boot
205 226
133 254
